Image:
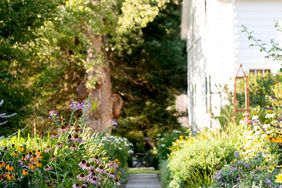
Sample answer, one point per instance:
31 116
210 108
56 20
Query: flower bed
70 156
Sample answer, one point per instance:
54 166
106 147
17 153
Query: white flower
176 131
269 116
255 118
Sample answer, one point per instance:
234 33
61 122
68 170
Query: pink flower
48 149
48 168
53 114
73 148
97 161
84 165
76 185
64 129
81 177
92 180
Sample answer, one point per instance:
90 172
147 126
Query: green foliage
164 142
194 160
262 90
117 148
273 51
253 172
164 173
18 24
255 164
44 55
149 78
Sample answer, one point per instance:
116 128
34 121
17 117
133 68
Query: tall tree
100 20
19 20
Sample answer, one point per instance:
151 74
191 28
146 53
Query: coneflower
81 177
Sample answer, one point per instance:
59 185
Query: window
259 72
194 95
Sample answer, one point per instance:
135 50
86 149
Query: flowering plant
70 156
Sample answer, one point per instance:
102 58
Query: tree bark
100 117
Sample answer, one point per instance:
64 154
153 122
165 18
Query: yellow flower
278 178
21 149
117 162
34 158
38 164
9 167
25 172
2 164
31 166
38 152
40 156
9 176
15 154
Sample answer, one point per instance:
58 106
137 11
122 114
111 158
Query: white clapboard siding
216 46
219 50
258 16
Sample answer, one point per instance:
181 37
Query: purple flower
74 106
236 155
81 105
114 123
247 165
268 181
111 175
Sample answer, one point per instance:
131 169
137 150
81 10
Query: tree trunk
99 115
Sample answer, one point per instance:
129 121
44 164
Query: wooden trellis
241 75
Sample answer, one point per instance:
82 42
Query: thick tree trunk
99 115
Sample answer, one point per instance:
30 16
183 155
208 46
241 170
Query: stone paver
143 181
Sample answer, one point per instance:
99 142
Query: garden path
143 180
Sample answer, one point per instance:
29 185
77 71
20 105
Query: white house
216 47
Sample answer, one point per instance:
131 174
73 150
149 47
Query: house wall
196 62
210 52
220 52
258 16
216 47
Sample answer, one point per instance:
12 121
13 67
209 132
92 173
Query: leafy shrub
194 160
164 142
262 90
117 148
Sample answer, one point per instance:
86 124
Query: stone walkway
143 180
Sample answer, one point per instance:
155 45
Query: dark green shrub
261 90
164 142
